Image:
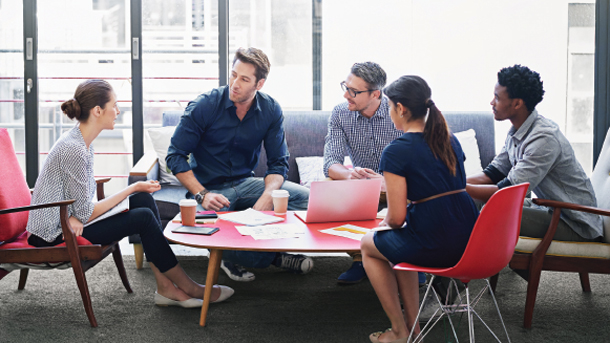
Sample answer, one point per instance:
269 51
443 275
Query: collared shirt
540 154
67 173
223 147
362 138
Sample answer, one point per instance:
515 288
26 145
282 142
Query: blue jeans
243 194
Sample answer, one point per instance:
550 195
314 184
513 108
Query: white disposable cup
280 201
188 207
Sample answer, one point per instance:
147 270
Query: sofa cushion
561 248
470 146
160 138
311 168
14 191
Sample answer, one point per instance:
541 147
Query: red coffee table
228 238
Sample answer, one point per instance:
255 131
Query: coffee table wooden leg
210 281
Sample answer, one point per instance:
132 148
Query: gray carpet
276 307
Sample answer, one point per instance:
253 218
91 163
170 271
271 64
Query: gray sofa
305 133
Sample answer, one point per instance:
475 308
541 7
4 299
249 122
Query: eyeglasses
352 92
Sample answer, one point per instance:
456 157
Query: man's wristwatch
200 196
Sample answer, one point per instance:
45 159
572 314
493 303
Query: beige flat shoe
225 293
374 337
189 303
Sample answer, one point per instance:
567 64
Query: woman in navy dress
426 166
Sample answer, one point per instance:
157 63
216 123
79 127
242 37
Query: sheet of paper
382 214
348 231
120 207
274 231
250 217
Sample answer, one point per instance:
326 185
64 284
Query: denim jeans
243 194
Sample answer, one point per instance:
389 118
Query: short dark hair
372 74
257 58
522 83
88 94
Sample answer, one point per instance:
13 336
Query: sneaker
353 275
236 272
299 264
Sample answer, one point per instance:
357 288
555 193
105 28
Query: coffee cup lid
280 193
188 202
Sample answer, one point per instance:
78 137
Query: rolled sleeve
334 143
276 147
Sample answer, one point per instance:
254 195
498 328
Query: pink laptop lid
341 200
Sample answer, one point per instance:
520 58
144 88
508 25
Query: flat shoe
190 303
225 293
374 337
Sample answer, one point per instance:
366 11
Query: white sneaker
236 272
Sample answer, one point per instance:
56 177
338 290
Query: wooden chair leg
23 277
3 273
530 300
493 282
138 251
118 260
81 281
584 282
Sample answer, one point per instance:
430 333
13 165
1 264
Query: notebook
341 200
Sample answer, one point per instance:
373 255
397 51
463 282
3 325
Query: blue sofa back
306 131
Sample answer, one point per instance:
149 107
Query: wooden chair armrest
570 206
36 206
102 180
145 164
100 187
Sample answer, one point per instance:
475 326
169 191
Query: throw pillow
468 140
160 138
14 191
310 169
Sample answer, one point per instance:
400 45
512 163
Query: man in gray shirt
537 152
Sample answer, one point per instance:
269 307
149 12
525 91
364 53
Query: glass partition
79 40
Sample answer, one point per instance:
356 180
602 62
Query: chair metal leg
138 251
493 296
118 260
470 322
493 282
23 277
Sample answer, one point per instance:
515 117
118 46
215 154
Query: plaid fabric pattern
360 138
67 173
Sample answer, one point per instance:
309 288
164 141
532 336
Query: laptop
341 200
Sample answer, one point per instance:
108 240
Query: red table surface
228 238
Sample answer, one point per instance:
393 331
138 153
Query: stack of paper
272 231
250 217
348 231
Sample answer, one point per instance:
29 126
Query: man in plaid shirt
359 128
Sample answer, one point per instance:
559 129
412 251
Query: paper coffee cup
280 201
188 207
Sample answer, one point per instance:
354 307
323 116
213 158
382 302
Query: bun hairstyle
88 94
414 93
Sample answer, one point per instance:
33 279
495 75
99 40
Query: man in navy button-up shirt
223 132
